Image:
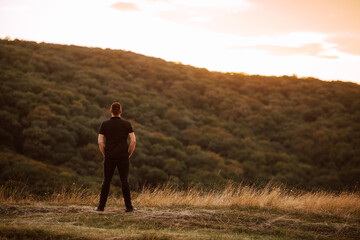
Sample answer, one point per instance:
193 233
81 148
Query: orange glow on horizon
268 37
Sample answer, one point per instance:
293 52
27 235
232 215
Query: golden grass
73 195
274 197
243 196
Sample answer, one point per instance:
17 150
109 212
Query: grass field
164 213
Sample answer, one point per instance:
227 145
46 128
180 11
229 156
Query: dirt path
174 223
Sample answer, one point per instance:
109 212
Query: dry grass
274 197
66 195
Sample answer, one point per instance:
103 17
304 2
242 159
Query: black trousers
123 168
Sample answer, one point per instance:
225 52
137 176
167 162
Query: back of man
113 145
116 131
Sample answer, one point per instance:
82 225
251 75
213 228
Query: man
117 153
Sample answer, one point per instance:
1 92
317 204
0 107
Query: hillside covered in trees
193 126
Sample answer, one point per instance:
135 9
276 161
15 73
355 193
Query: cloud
271 17
311 49
125 6
349 45
330 57
205 3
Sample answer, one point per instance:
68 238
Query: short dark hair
116 108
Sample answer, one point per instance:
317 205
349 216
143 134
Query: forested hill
193 126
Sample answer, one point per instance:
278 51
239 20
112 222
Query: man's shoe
98 209
130 209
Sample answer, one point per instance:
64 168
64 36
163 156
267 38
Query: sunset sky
318 38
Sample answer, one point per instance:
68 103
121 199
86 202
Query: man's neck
112 115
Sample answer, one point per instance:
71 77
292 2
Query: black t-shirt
116 131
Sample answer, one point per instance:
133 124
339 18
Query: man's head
116 109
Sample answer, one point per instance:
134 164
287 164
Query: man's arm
101 144
132 143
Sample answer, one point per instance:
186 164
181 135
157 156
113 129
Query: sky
307 38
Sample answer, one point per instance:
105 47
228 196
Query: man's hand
101 144
132 143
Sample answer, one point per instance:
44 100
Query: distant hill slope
193 126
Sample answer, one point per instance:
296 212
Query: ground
67 221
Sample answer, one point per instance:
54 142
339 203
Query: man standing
117 154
